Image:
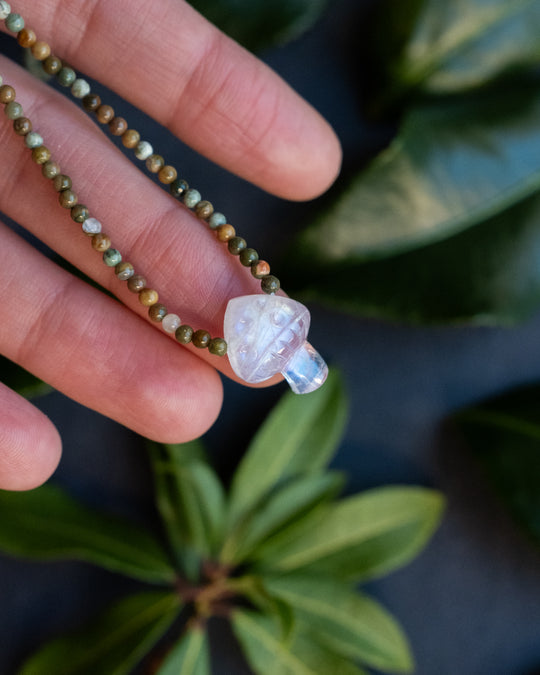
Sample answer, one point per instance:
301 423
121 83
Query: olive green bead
201 339
13 110
157 312
80 213
67 199
41 154
52 65
270 284
66 77
50 169
218 347
61 182
248 256
178 187
184 334
112 257
236 245
91 102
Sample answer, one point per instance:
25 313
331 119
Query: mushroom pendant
266 334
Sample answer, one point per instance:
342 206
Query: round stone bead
218 347
22 126
155 163
5 10
61 182
191 198
13 110
26 37
204 209
91 226
51 64
50 169
136 283
7 93
68 199
143 150
118 126
41 154
248 256
124 271
148 297
112 257
270 284
225 232
131 138
33 140
101 242
178 187
91 102
80 88
80 213
167 174
14 22
236 245
216 219
66 77
105 113
184 334
171 323
201 339
260 269
157 312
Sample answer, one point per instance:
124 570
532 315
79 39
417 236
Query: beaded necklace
263 334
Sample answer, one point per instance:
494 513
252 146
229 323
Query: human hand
171 63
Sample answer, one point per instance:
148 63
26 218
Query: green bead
248 256
80 213
270 284
201 339
216 219
67 199
192 198
62 182
14 23
184 334
178 187
13 110
218 347
66 77
112 257
50 169
236 245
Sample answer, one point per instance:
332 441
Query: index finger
174 65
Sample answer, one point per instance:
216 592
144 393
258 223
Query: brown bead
183 334
204 209
61 182
118 126
105 114
26 37
124 271
201 339
131 138
101 242
148 297
157 312
167 174
68 198
155 163
225 232
41 154
79 213
7 94
22 126
52 65
270 284
260 269
218 347
51 169
136 283
91 102
41 51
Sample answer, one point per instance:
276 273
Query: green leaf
504 433
450 211
267 652
21 381
114 643
256 23
282 509
191 500
456 46
190 656
364 536
348 622
300 435
47 523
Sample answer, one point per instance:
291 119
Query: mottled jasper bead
112 257
50 169
143 150
201 339
225 232
7 93
236 244
157 312
14 22
167 174
5 9
33 140
26 37
66 77
91 102
216 219
91 226
131 138
191 198
183 334
22 126
248 256
178 187
80 213
13 110
67 199
218 347
52 65
124 271
61 182
118 126
148 297
204 209
105 113
260 269
136 283
155 163
270 284
170 323
101 242
41 154
80 88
